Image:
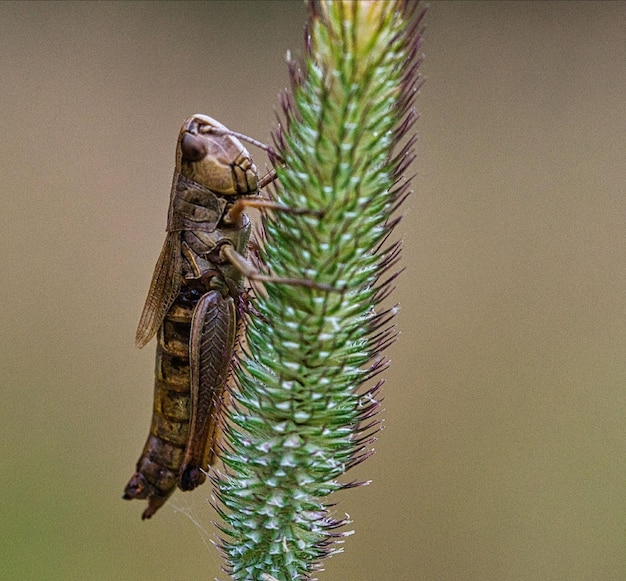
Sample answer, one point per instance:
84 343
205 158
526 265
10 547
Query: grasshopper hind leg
211 347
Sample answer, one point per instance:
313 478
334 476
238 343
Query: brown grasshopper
192 305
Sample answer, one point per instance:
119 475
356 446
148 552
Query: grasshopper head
208 154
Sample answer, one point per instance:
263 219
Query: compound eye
193 147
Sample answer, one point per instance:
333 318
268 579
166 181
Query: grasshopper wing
164 289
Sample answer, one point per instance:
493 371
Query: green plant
304 410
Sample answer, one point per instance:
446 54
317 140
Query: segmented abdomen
158 467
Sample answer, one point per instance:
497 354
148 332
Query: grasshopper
193 305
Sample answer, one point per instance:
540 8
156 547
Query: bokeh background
503 456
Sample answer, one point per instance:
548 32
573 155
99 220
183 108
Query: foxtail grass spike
304 409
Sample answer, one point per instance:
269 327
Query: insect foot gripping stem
248 269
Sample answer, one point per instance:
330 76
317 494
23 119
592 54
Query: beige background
503 456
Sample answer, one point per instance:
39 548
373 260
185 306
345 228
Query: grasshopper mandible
192 305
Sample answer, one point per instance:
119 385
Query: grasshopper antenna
271 152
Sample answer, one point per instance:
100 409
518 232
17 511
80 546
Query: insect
192 306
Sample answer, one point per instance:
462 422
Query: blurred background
503 455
